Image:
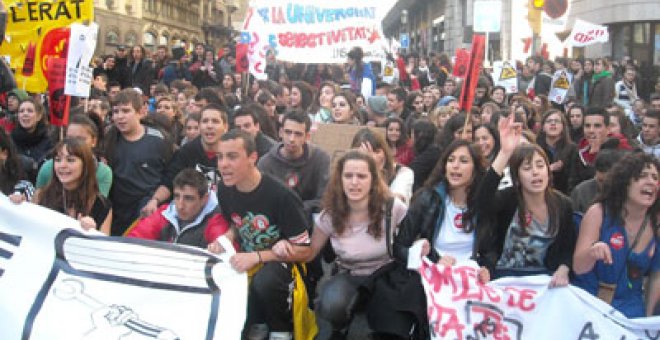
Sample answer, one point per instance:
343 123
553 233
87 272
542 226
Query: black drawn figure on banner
109 321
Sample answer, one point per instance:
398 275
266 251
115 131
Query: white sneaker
280 336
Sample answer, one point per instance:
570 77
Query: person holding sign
619 242
533 231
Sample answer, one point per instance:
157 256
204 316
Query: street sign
555 8
487 15
404 40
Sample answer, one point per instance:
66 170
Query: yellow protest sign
562 82
508 72
37 31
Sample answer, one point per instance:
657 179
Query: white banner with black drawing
58 282
520 308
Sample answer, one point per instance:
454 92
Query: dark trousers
270 298
338 299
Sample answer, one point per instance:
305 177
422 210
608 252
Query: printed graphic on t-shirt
255 231
292 180
524 248
211 174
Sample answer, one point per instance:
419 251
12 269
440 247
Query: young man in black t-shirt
262 211
137 155
199 154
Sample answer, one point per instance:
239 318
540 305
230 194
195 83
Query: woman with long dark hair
443 213
397 139
12 177
73 189
427 152
32 135
302 95
486 136
361 77
533 231
556 142
619 241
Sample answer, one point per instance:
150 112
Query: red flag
58 102
470 83
462 63
242 63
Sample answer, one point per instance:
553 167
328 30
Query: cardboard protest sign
336 139
37 31
517 308
58 282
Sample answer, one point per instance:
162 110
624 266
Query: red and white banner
459 307
585 34
312 31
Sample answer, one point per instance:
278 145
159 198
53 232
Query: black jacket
425 210
498 208
141 75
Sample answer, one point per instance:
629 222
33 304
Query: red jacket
151 228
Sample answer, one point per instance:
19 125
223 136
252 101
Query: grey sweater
307 175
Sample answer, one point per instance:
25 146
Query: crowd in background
520 183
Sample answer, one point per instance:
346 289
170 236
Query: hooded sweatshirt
307 176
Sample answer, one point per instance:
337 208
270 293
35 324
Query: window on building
149 40
164 39
131 39
112 37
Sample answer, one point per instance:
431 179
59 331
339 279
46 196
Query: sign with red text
459 307
36 32
311 31
585 34
60 282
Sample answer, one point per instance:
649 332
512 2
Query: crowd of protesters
179 147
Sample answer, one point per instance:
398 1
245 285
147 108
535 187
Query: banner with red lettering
312 31
585 34
459 307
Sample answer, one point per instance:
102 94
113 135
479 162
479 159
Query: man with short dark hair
262 212
301 166
542 81
396 103
655 101
583 194
193 217
247 120
649 138
199 154
595 127
137 155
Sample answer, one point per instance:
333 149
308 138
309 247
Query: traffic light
534 11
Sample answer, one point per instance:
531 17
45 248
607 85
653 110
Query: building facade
171 23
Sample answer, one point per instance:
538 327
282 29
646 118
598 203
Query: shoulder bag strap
388 226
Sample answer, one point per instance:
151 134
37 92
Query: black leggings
338 299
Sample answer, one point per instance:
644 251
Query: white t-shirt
358 251
403 183
452 239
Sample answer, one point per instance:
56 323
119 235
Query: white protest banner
505 74
561 82
312 31
82 44
520 308
585 34
58 282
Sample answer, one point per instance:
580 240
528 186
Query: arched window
131 39
112 38
163 39
149 39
